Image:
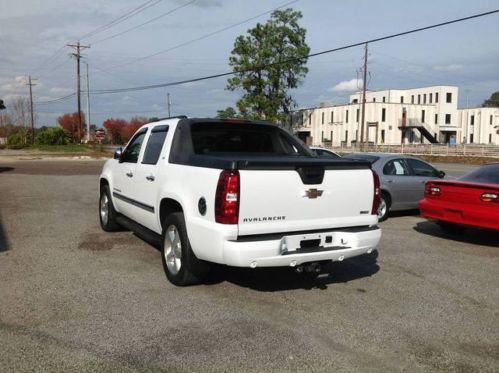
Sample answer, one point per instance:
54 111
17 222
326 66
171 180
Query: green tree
493 101
52 136
268 62
226 113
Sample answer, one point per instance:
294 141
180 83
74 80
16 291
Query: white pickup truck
239 193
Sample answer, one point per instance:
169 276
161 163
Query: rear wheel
384 207
181 266
107 213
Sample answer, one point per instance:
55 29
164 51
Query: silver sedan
402 179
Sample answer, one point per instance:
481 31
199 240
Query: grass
70 148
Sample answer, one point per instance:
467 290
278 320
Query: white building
480 125
394 116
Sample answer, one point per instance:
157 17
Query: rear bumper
474 216
274 252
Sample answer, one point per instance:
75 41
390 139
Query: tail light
490 197
227 198
432 190
377 193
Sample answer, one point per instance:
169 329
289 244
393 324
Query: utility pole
168 103
88 105
31 84
78 48
364 99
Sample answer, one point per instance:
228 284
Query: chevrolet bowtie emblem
313 193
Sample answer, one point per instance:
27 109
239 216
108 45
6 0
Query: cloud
347 86
451 67
60 91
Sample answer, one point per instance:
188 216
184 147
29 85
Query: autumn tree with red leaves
70 122
120 131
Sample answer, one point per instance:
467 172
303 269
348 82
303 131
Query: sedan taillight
432 190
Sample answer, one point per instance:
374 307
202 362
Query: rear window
222 138
488 174
362 157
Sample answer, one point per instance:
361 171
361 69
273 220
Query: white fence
428 149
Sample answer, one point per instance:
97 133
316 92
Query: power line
145 23
122 18
51 58
391 36
203 36
56 100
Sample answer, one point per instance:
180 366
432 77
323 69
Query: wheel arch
168 206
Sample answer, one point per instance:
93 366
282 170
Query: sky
191 39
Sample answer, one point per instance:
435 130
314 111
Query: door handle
389 181
150 178
129 174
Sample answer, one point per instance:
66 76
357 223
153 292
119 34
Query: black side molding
134 202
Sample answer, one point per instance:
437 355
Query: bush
15 141
52 136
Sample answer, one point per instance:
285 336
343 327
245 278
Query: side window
132 151
421 169
395 167
155 144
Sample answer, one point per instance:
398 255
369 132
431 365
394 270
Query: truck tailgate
273 201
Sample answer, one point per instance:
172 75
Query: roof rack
173 117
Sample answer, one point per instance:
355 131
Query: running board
146 234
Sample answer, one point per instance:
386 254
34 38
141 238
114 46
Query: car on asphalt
240 193
402 179
323 152
471 200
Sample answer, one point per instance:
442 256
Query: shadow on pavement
6 169
474 236
4 242
398 214
278 279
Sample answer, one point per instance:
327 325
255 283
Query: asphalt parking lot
76 298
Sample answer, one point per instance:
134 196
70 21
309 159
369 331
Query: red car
472 200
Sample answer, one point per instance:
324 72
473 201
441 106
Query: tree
226 113
268 62
132 127
2 106
52 136
70 123
493 101
114 127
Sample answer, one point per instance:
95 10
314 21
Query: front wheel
107 213
181 266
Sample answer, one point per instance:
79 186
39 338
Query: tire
181 266
450 228
384 207
107 213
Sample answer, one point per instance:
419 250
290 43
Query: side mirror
441 174
117 153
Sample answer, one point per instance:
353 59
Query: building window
422 116
346 117
448 97
331 137
435 136
491 120
431 97
424 98
412 99
436 118
357 115
384 99
447 118
471 138
490 138
383 115
419 99
332 117
472 120
382 136
401 99
436 97
322 136
322 118
310 119
354 101
346 137
374 99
